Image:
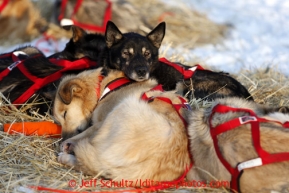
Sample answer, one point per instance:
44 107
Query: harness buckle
250 164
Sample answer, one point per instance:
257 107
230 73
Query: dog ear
157 35
69 90
112 34
78 33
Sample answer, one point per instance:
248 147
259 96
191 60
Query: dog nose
141 71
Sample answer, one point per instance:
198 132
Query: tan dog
75 101
130 138
236 147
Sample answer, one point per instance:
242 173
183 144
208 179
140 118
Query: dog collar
114 85
187 73
264 157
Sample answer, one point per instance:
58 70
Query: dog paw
66 159
67 146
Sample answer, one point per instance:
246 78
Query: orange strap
44 128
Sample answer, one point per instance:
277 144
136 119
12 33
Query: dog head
75 101
132 53
81 44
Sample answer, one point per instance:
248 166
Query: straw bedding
31 161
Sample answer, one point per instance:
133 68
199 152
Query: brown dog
75 101
236 145
130 138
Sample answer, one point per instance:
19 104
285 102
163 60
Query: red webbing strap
38 83
79 64
176 106
3 5
118 83
106 17
47 38
254 121
5 55
186 73
82 63
159 87
115 84
62 10
7 70
15 63
167 100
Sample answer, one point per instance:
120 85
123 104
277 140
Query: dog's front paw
66 159
67 146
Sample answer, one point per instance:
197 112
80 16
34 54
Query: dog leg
67 146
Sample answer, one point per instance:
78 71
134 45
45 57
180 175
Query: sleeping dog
138 131
242 142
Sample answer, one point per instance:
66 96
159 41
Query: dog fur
81 44
75 101
130 138
132 53
236 147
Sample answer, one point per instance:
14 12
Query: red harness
106 17
114 85
177 107
187 73
123 81
264 157
38 83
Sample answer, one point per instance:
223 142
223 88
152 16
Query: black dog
138 57
81 45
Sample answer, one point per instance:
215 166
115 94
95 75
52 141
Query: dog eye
126 53
64 114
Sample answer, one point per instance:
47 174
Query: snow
259 37
48 47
